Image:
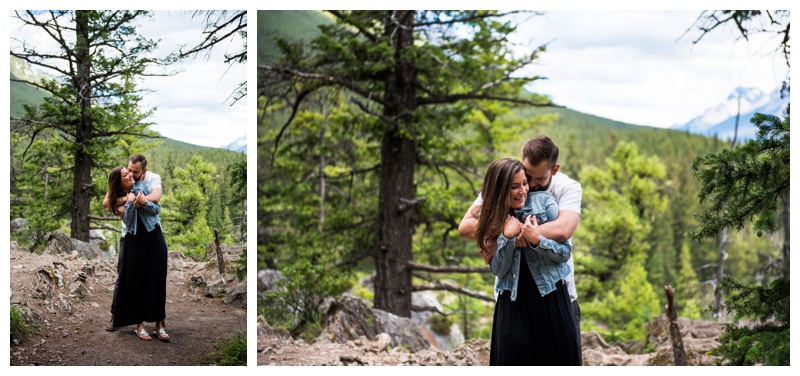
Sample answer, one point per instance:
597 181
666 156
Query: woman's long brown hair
494 210
115 188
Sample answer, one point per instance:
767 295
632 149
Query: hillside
21 93
293 25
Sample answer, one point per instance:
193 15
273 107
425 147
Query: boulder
16 248
236 296
58 243
427 301
97 237
17 224
264 329
350 318
267 280
87 250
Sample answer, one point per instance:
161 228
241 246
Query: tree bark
220 259
398 156
786 237
678 350
82 177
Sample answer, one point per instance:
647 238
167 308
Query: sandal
161 334
142 334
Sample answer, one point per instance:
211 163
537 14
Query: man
540 158
137 166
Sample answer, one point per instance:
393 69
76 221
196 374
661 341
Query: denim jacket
148 213
547 262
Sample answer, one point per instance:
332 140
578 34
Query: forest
65 142
373 141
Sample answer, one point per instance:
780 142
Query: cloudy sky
638 67
193 105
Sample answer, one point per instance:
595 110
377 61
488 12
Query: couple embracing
140 291
523 222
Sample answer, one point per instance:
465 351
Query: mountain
21 93
720 120
238 145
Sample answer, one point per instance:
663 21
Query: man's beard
539 188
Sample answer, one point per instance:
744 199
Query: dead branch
448 269
447 286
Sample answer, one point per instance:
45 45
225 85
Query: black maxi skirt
142 293
534 330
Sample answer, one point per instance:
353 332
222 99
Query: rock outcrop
350 318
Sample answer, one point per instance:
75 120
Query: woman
533 315
142 289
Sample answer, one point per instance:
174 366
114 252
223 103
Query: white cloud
193 104
639 67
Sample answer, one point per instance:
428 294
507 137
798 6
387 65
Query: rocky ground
354 333
68 296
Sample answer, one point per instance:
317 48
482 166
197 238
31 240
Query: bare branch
448 269
447 286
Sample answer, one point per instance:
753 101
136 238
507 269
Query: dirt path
72 328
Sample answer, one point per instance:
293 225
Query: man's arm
469 224
154 196
118 202
559 230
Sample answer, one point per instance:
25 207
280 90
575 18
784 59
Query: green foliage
232 351
747 183
186 206
620 203
766 342
686 290
296 300
441 324
21 326
623 313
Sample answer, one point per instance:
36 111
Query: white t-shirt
567 193
155 182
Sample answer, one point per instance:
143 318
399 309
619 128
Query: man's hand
154 196
140 200
120 211
530 230
562 228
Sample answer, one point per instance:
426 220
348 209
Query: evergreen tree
416 78
186 208
95 102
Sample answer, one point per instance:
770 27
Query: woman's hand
530 231
512 227
140 199
131 197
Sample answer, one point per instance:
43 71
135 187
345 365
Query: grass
21 329
232 351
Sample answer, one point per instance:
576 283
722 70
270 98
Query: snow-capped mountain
239 145
720 120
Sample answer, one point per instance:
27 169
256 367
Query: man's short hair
138 158
538 149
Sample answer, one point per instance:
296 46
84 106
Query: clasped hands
527 233
138 199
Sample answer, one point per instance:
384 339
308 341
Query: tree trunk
678 350
721 256
82 177
220 259
398 158
786 237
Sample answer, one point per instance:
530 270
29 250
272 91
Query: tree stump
675 332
